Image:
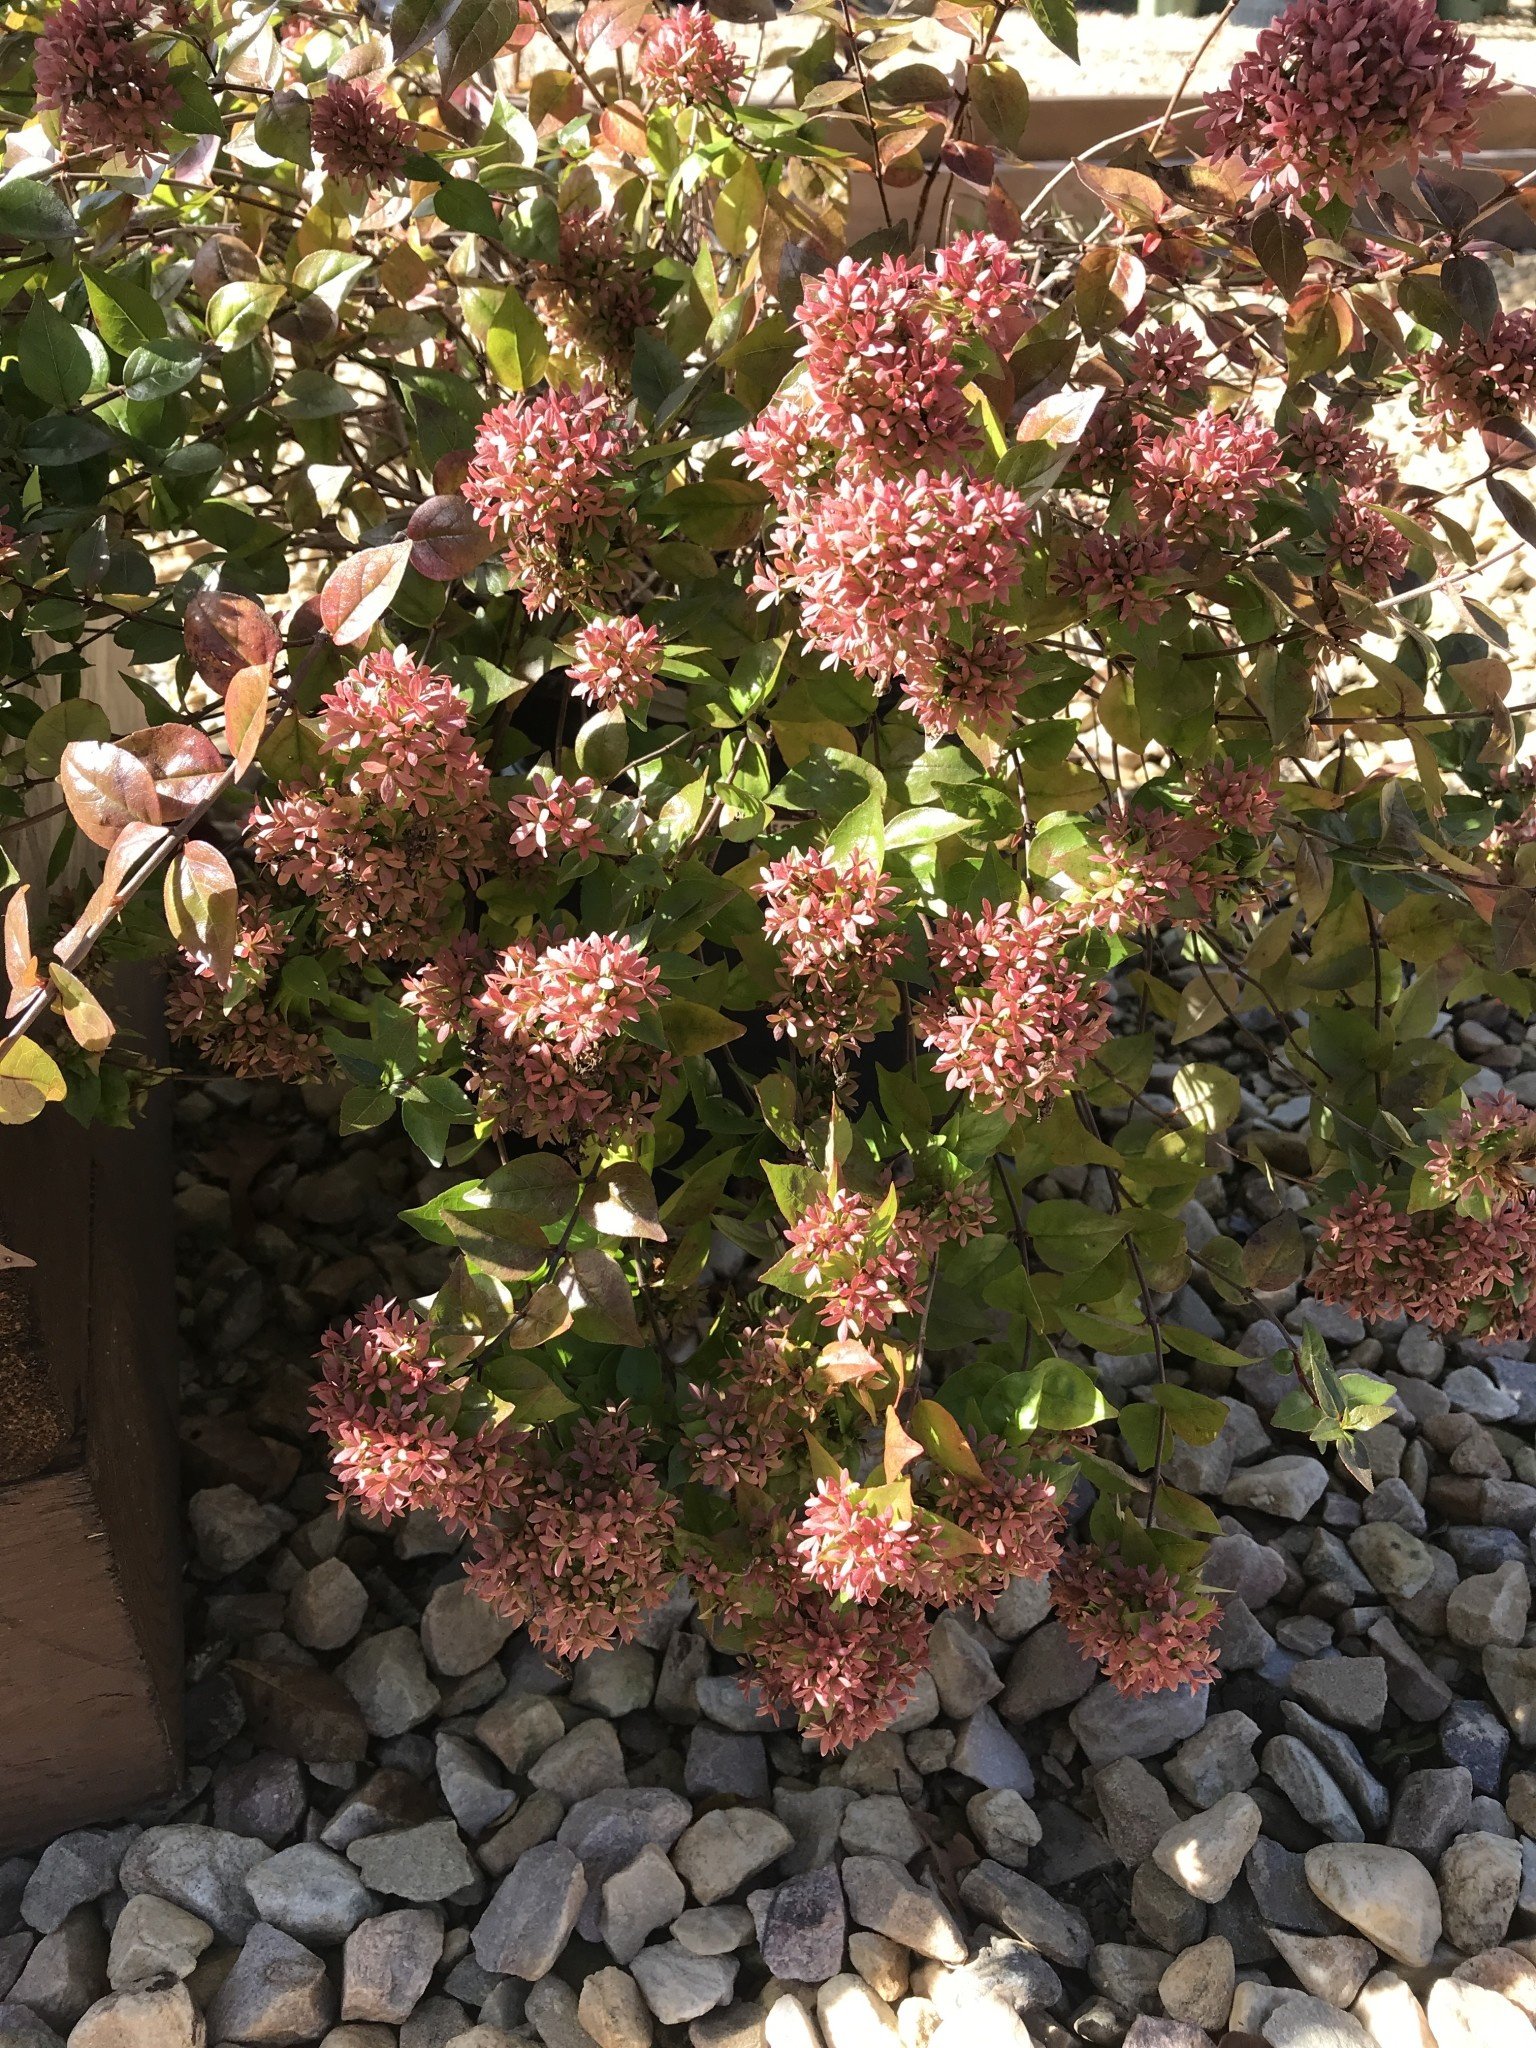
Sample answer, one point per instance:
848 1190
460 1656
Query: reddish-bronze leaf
20 960
357 595
226 633
447 540
106 789
185 766
245 715
201 901
1110 285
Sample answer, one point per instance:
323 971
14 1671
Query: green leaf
694 1027
238 312
1194 1344
31 211
59 361
29 1081
1208 1095
1140 1429
160 369
526 1393
1196 1418
477 31
540 1185
1071 1237
76 718
1001 100
461 203
720 512
944 1440
516 346
793 1187
127 317
1275 1256
413 23
1057 22
1053 1395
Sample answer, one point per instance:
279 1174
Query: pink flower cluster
554 815
386 848
830 919
741 1422
861 1273
389 1407
548 471
685 61
617 664
442 990
1337 91
1163 862
591 297
356 133
1204 478
101 65
887 542
1457 1273
1013 1022
584 1549
1147 1628
845 1668
1466 384
244 1030
555 1063
1014 1513
1489 1150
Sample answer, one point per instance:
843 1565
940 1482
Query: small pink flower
1206 476
880 364
1366 547
686 63
550 471
553 817
1337 91
617 664
854 1546
1467 383
1149 1631
861 1284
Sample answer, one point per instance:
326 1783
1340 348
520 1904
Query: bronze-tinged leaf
1509 443
971 162
848 1362
20 960
185 766
1135 200
13 1262
29 1081
201 903
623 129
106 789
447 540
1275 1256
621 1202
899 1449
1280 243
543 1316
1515 508
89 1025
226 633
1514 930
245 715
357 595
1110 285
945 1441
596 1290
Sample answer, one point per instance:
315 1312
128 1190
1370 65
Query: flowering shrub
777 708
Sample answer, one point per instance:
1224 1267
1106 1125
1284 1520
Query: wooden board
90 1590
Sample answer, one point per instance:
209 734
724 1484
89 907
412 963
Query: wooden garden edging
90 1572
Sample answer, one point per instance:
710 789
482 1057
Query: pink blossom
686 63
555 1064
1118 573
583 1552
861 1282
1149 1631
987 286
845 1668
1331 444
1465 384
617 664
1014 1513
740 1423
243 1029
1490 1149
591 297
879 565
441 991
947 686
553 816
1365 546
389 1405
386 849
101 64
356 133
1166 363
550 471
880 365
1337 91
821 909
1012 1021
1207 475
852 1543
